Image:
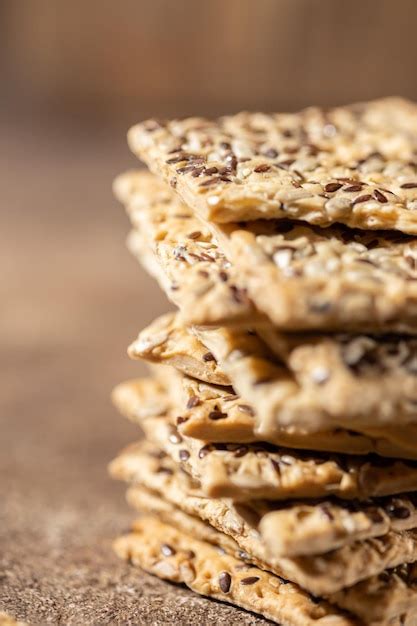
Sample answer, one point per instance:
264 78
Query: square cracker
259 470
320 574
316 382
298 277
354 165
387 598
209 413
268 529
306 277
166 341
310 383
168 553
179 251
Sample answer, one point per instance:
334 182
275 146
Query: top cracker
355 165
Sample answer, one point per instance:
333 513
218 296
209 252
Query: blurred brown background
74 76
111 63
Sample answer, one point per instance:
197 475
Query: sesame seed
177 159
175 437
197 172
204 451
241 451
400 512
167 550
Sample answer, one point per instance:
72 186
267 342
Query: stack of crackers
279 466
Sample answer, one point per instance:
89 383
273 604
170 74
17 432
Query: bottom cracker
381 599
163 550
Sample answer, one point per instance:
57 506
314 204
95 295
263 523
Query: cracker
141 398
191 269
150 502
320 574
353 165
166 552
300 277
241 423
195 407
364 382
288 529
314 382
391 593
138 246
388 597
165 341
304 528
248 471
305 277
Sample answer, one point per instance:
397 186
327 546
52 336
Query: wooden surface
71 300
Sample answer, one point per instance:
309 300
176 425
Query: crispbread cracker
353 165
304 528
141 398
138 246
241 423
368 357
216 414
391 593
143 465
150 502
315 382
165 341
305 277
388 597
168 553
260 470
248 471
288 529
190 268
301 277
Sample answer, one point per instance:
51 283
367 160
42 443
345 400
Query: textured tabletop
72 299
